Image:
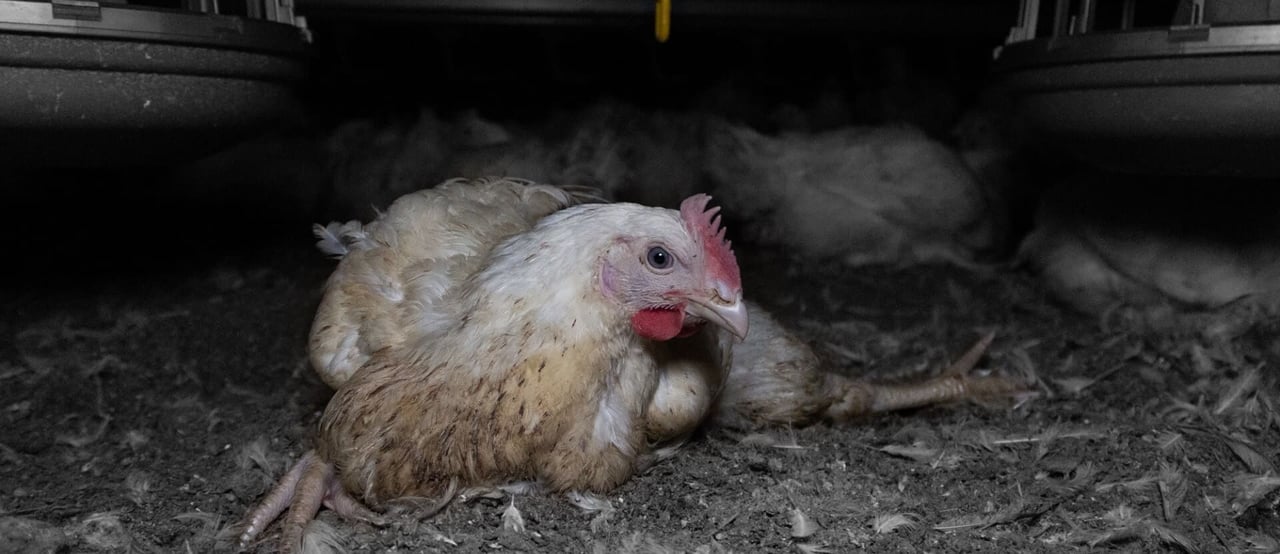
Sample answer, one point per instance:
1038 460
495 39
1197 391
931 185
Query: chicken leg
776 379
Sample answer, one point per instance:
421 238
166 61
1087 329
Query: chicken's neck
538 302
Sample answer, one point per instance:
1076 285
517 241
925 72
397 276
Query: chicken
495 331
888 195
523 355
397 270
1104 242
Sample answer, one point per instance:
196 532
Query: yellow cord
662 21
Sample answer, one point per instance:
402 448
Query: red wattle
658 323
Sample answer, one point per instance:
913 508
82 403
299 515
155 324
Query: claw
339 500
276 501
970 358
309 484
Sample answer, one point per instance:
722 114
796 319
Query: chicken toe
309 484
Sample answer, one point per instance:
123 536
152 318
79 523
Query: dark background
921 62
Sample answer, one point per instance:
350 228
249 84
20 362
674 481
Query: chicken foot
311 483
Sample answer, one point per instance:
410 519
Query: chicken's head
673 280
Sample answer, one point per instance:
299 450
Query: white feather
329 242
339 239
590 502
512 520
322 538
613 422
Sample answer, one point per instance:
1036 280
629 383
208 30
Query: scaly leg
277 500
777 379
857 398
311 490
308 485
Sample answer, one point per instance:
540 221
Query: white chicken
1103 242
489 331
866 195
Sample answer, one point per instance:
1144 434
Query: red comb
704 224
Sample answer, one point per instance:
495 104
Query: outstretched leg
777 379
853 398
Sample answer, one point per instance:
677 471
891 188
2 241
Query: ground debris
1189 450
18 534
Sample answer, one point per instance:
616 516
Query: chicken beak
729 314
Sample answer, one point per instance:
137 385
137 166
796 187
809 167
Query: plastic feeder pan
1181 101
83 84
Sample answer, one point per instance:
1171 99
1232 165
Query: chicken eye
658 258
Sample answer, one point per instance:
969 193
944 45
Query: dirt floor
145 411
